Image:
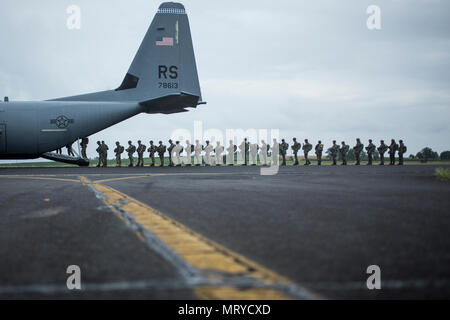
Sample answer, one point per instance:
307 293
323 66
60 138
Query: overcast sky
311 69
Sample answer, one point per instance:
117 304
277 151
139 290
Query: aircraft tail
163 75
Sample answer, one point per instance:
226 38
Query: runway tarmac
224 232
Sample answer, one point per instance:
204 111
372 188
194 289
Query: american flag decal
164 41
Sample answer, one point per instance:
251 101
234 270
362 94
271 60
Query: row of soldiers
344 149
246 148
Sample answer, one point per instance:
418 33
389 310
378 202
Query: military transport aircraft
161 79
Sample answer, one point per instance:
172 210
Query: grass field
442 174
125 162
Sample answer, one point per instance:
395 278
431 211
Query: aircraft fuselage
29 129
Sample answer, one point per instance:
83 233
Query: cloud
310 69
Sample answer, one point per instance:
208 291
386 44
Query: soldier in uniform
284 147
344 151
334 152
131 150
208 149
263 153
170 149
358 149
161 150
295 148
104 149
370 150
84 143
69 150
392 150
152 150
189 148
401 151
275 152
306 149
99 151
243 151
230 153
118 151
218 150
319 150
198 153
254 152
140 151
177 150
382 150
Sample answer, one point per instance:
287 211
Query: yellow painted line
122 178
199 251
40 178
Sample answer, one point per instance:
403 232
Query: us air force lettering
161 79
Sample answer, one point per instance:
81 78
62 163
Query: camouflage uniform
118 151
152 149
344 151
169 149
370 150
401 150
283 149
131 150
140 150
70 150
392 150
295 148
334 152
161 150
104 150
84 143
358 149
382 150
307 147
319 150
99 151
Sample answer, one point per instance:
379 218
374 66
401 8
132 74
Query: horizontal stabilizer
172 103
